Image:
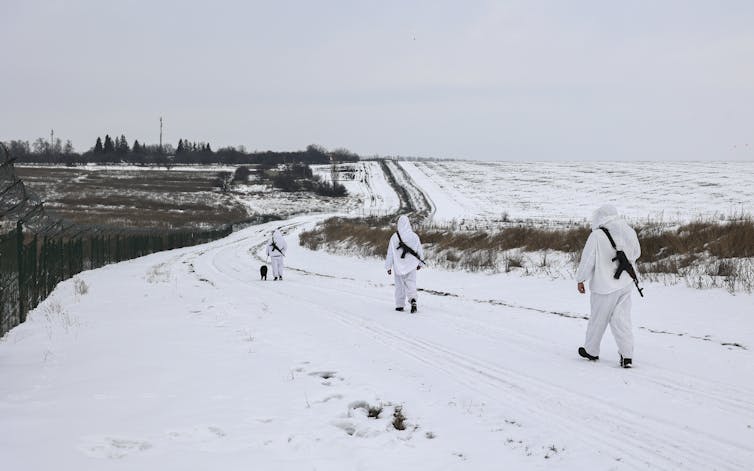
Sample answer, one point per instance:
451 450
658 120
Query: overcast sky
497 80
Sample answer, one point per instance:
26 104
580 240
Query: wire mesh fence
38 250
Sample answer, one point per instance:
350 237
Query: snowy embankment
185 360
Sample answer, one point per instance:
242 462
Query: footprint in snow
323 374
111 447
196 434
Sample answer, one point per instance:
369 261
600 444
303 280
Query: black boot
399 309
583 353
625 362
413 306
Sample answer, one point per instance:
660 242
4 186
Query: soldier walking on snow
607 263
276 251
404 258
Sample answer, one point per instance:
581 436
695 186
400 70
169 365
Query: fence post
19 259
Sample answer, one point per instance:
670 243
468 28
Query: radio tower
160 134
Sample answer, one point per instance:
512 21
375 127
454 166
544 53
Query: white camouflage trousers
613 309
277 266
405 288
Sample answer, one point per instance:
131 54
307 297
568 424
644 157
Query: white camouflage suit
404 268
610 298
276 257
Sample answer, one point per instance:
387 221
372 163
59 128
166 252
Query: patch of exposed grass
399 420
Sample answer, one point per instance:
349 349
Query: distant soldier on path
404 258
276 251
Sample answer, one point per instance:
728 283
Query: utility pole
52 140
160 134
333 170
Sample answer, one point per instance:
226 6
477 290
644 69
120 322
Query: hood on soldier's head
277 236
604 215
404 226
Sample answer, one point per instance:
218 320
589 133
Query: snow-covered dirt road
185 360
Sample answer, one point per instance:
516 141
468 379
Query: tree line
112 150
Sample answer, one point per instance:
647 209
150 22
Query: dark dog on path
263 271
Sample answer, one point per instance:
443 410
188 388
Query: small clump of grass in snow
399 420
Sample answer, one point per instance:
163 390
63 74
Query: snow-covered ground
569 191
366 184
185 360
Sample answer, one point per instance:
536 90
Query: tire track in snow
413 198
474 369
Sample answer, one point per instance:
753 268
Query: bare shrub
399 420
80 287
241 174
513 261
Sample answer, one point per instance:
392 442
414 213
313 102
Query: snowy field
557 192
366 184
183 360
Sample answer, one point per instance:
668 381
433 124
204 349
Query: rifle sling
610 238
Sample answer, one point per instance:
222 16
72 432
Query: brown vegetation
711 250
133 198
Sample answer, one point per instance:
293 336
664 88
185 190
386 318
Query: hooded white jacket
393 261
596 264
277 237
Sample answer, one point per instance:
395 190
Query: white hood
277 237
625 237
404 227
603 215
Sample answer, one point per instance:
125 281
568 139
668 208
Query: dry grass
733 239
372 235
161 199
703 253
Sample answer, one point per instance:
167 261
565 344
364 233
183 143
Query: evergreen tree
121 145
98 146
180 148
136 149
109 145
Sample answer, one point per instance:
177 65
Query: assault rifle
275 247
623 263
406 249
